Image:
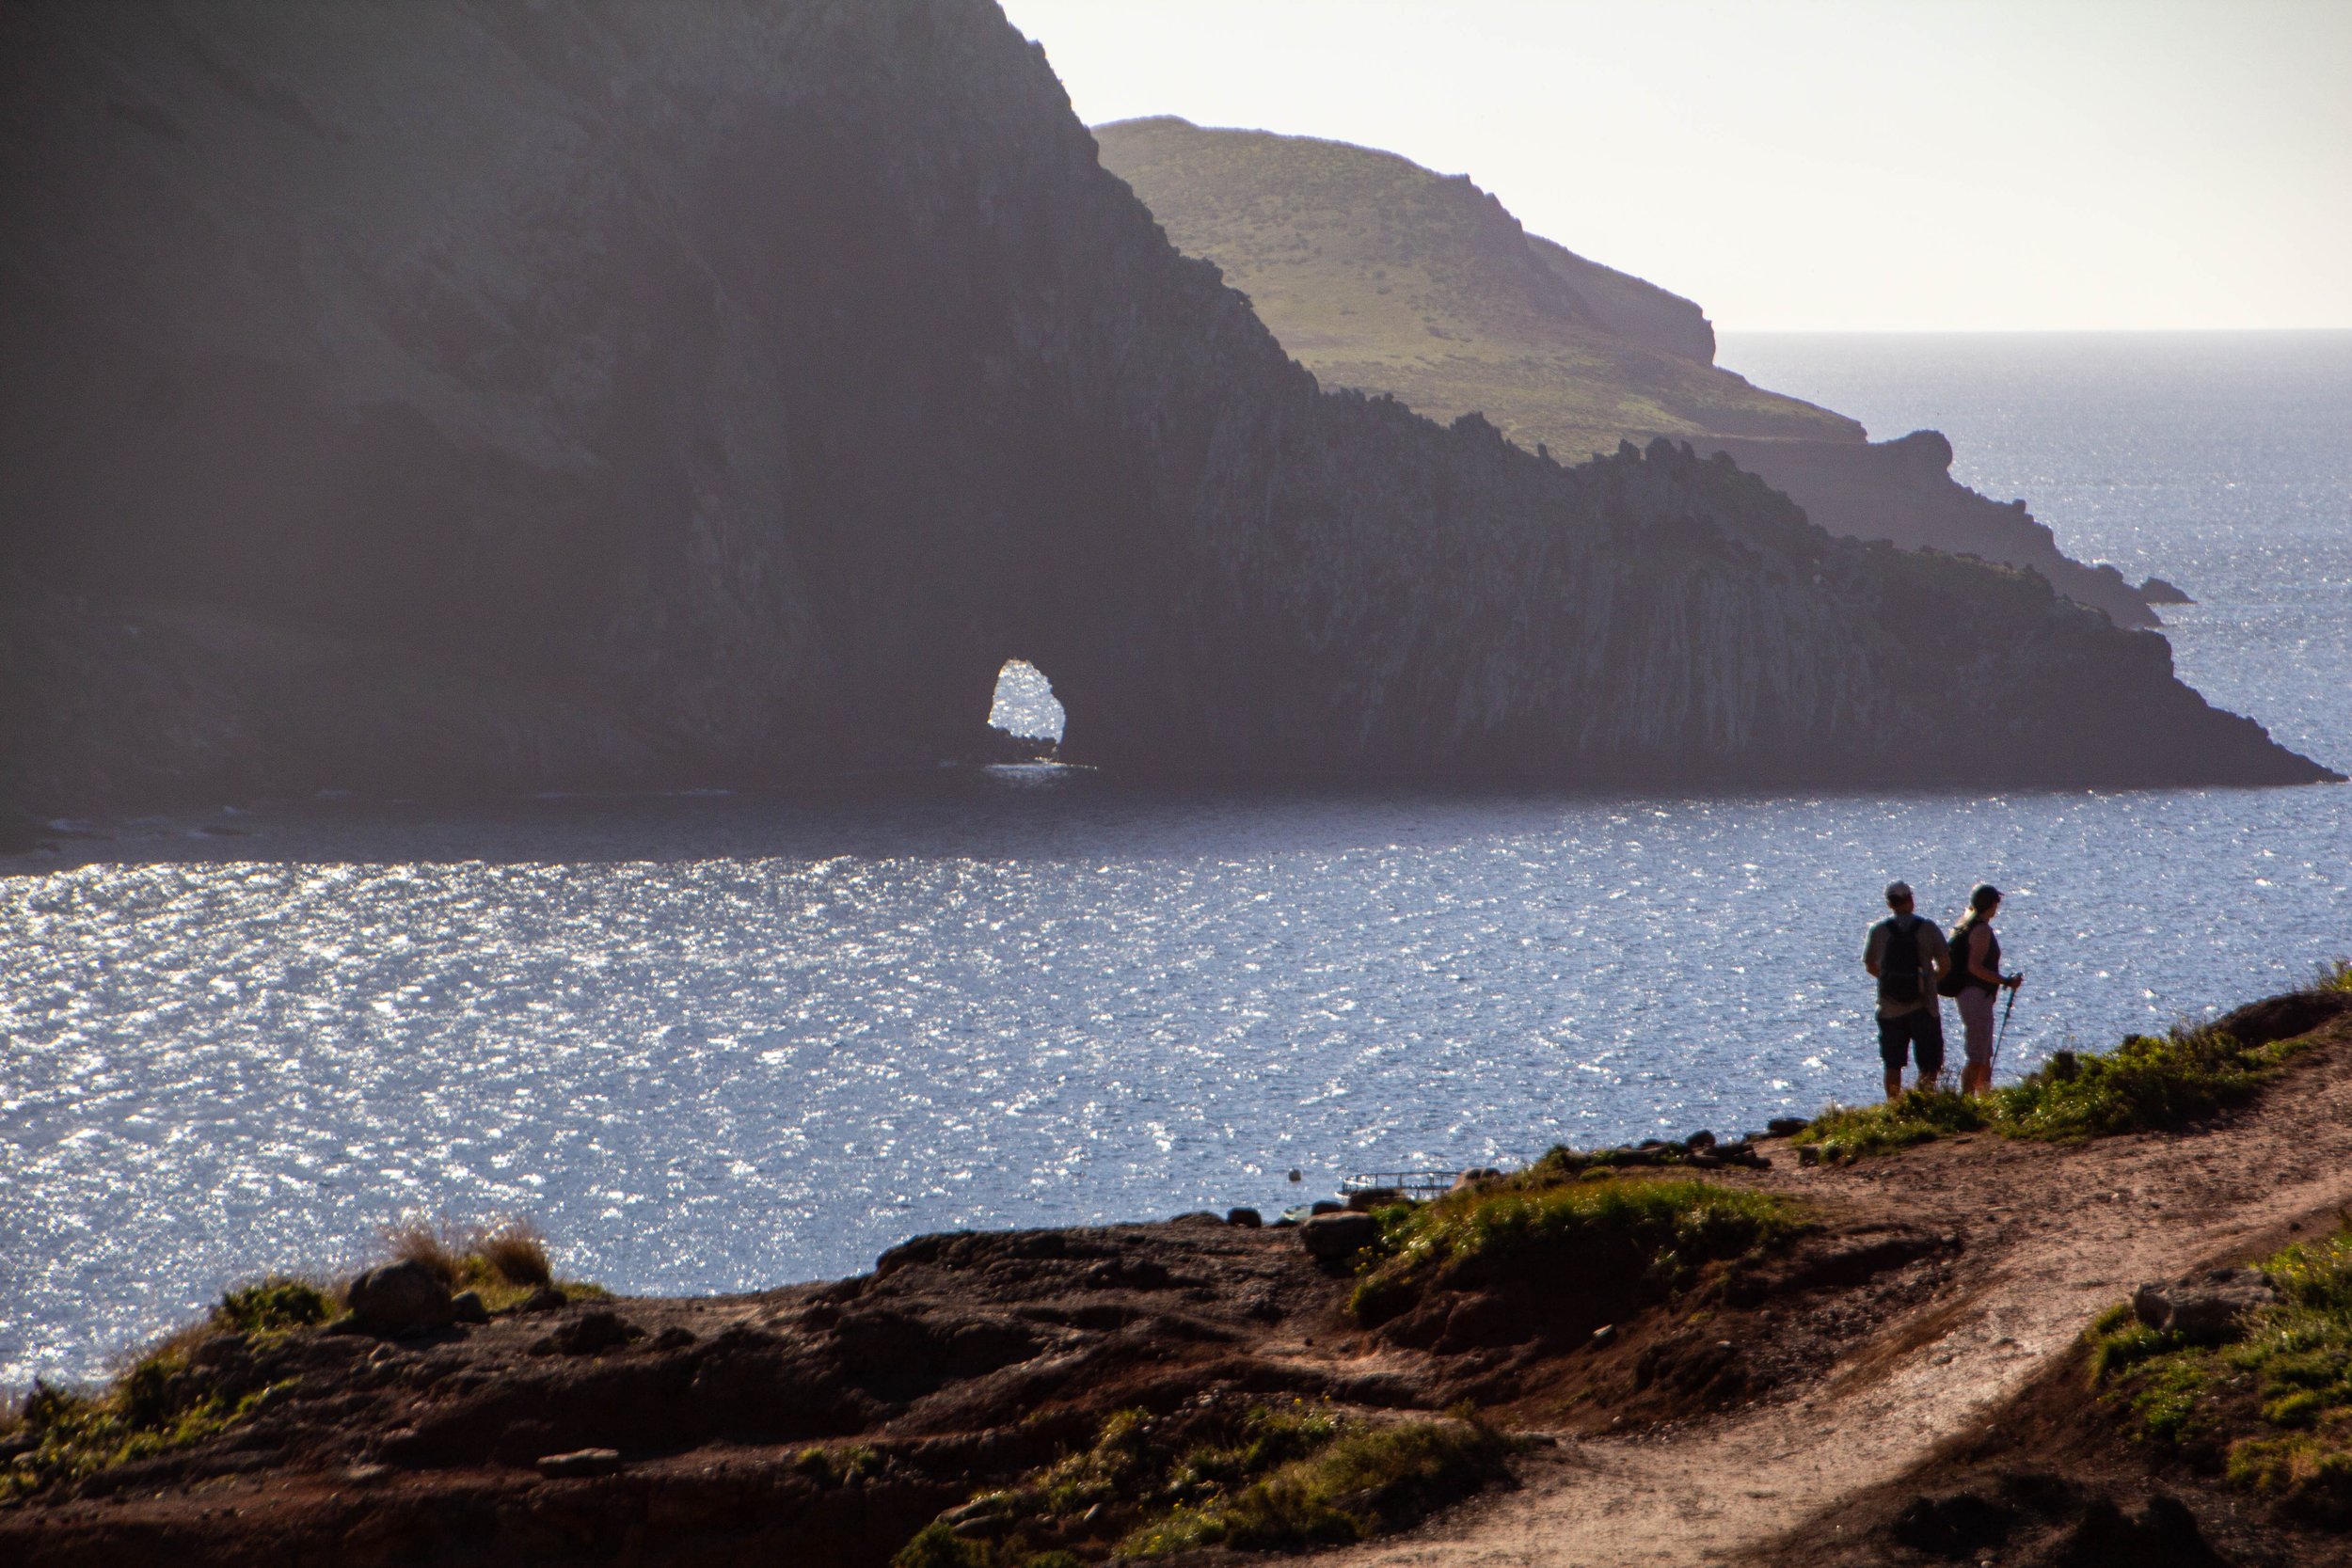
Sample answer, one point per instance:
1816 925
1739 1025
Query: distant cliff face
1378 273
458 396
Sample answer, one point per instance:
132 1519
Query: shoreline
965 1361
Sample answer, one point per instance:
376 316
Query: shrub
2333 975
273 1305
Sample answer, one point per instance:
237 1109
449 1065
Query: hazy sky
1811 163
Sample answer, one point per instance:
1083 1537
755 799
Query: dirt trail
2053 1236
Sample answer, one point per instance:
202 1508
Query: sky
1820 164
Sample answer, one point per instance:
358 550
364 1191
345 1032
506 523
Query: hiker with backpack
1908 957
1971 978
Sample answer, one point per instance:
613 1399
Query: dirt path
2053 1236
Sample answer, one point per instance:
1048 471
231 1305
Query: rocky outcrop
1904 491
459 395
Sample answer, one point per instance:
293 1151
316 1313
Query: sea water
720 1042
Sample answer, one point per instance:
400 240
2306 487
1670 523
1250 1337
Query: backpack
1899 964
1956 968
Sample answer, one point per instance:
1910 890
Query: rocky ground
1905 1368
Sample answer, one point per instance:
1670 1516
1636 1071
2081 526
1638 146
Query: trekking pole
2011 1008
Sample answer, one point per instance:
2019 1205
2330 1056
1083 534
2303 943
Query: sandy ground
2053 1236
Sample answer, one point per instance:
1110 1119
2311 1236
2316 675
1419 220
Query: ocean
718 1042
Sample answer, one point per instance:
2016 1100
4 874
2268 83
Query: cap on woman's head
1898 893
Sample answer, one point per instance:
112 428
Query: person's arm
1975 956
1937 955
1870 948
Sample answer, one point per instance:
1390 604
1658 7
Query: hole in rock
1026 706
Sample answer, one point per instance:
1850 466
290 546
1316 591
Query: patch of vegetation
1658 1230
2147 1083
1253 1477
2274 1404
503 1263
1851 1132
838 1467
273 1305
162 1402
2333 977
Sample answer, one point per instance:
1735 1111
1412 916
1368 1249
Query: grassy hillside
1375 273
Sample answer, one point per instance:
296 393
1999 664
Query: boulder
2206 1308
1248 1219
1331 1237
399 1299
466 1307
1365 1200
1784 1127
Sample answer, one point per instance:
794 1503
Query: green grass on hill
2147 1083
1266 1476
167 1397
1638 1227
2273 1405
160 1402
1378 273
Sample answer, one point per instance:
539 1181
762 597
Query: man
1907 955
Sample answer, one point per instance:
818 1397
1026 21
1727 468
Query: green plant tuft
273 1305
503 1263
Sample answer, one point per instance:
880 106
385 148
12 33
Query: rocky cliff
455 395
1378 273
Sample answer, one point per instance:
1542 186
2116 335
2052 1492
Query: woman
1976 955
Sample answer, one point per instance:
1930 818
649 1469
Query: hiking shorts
1975 1016
1920 1032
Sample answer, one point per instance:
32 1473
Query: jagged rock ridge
1378 273
457 396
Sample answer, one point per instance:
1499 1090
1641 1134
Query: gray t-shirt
1933 956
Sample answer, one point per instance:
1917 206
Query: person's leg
1927 1034
1894 1050
1976 1016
